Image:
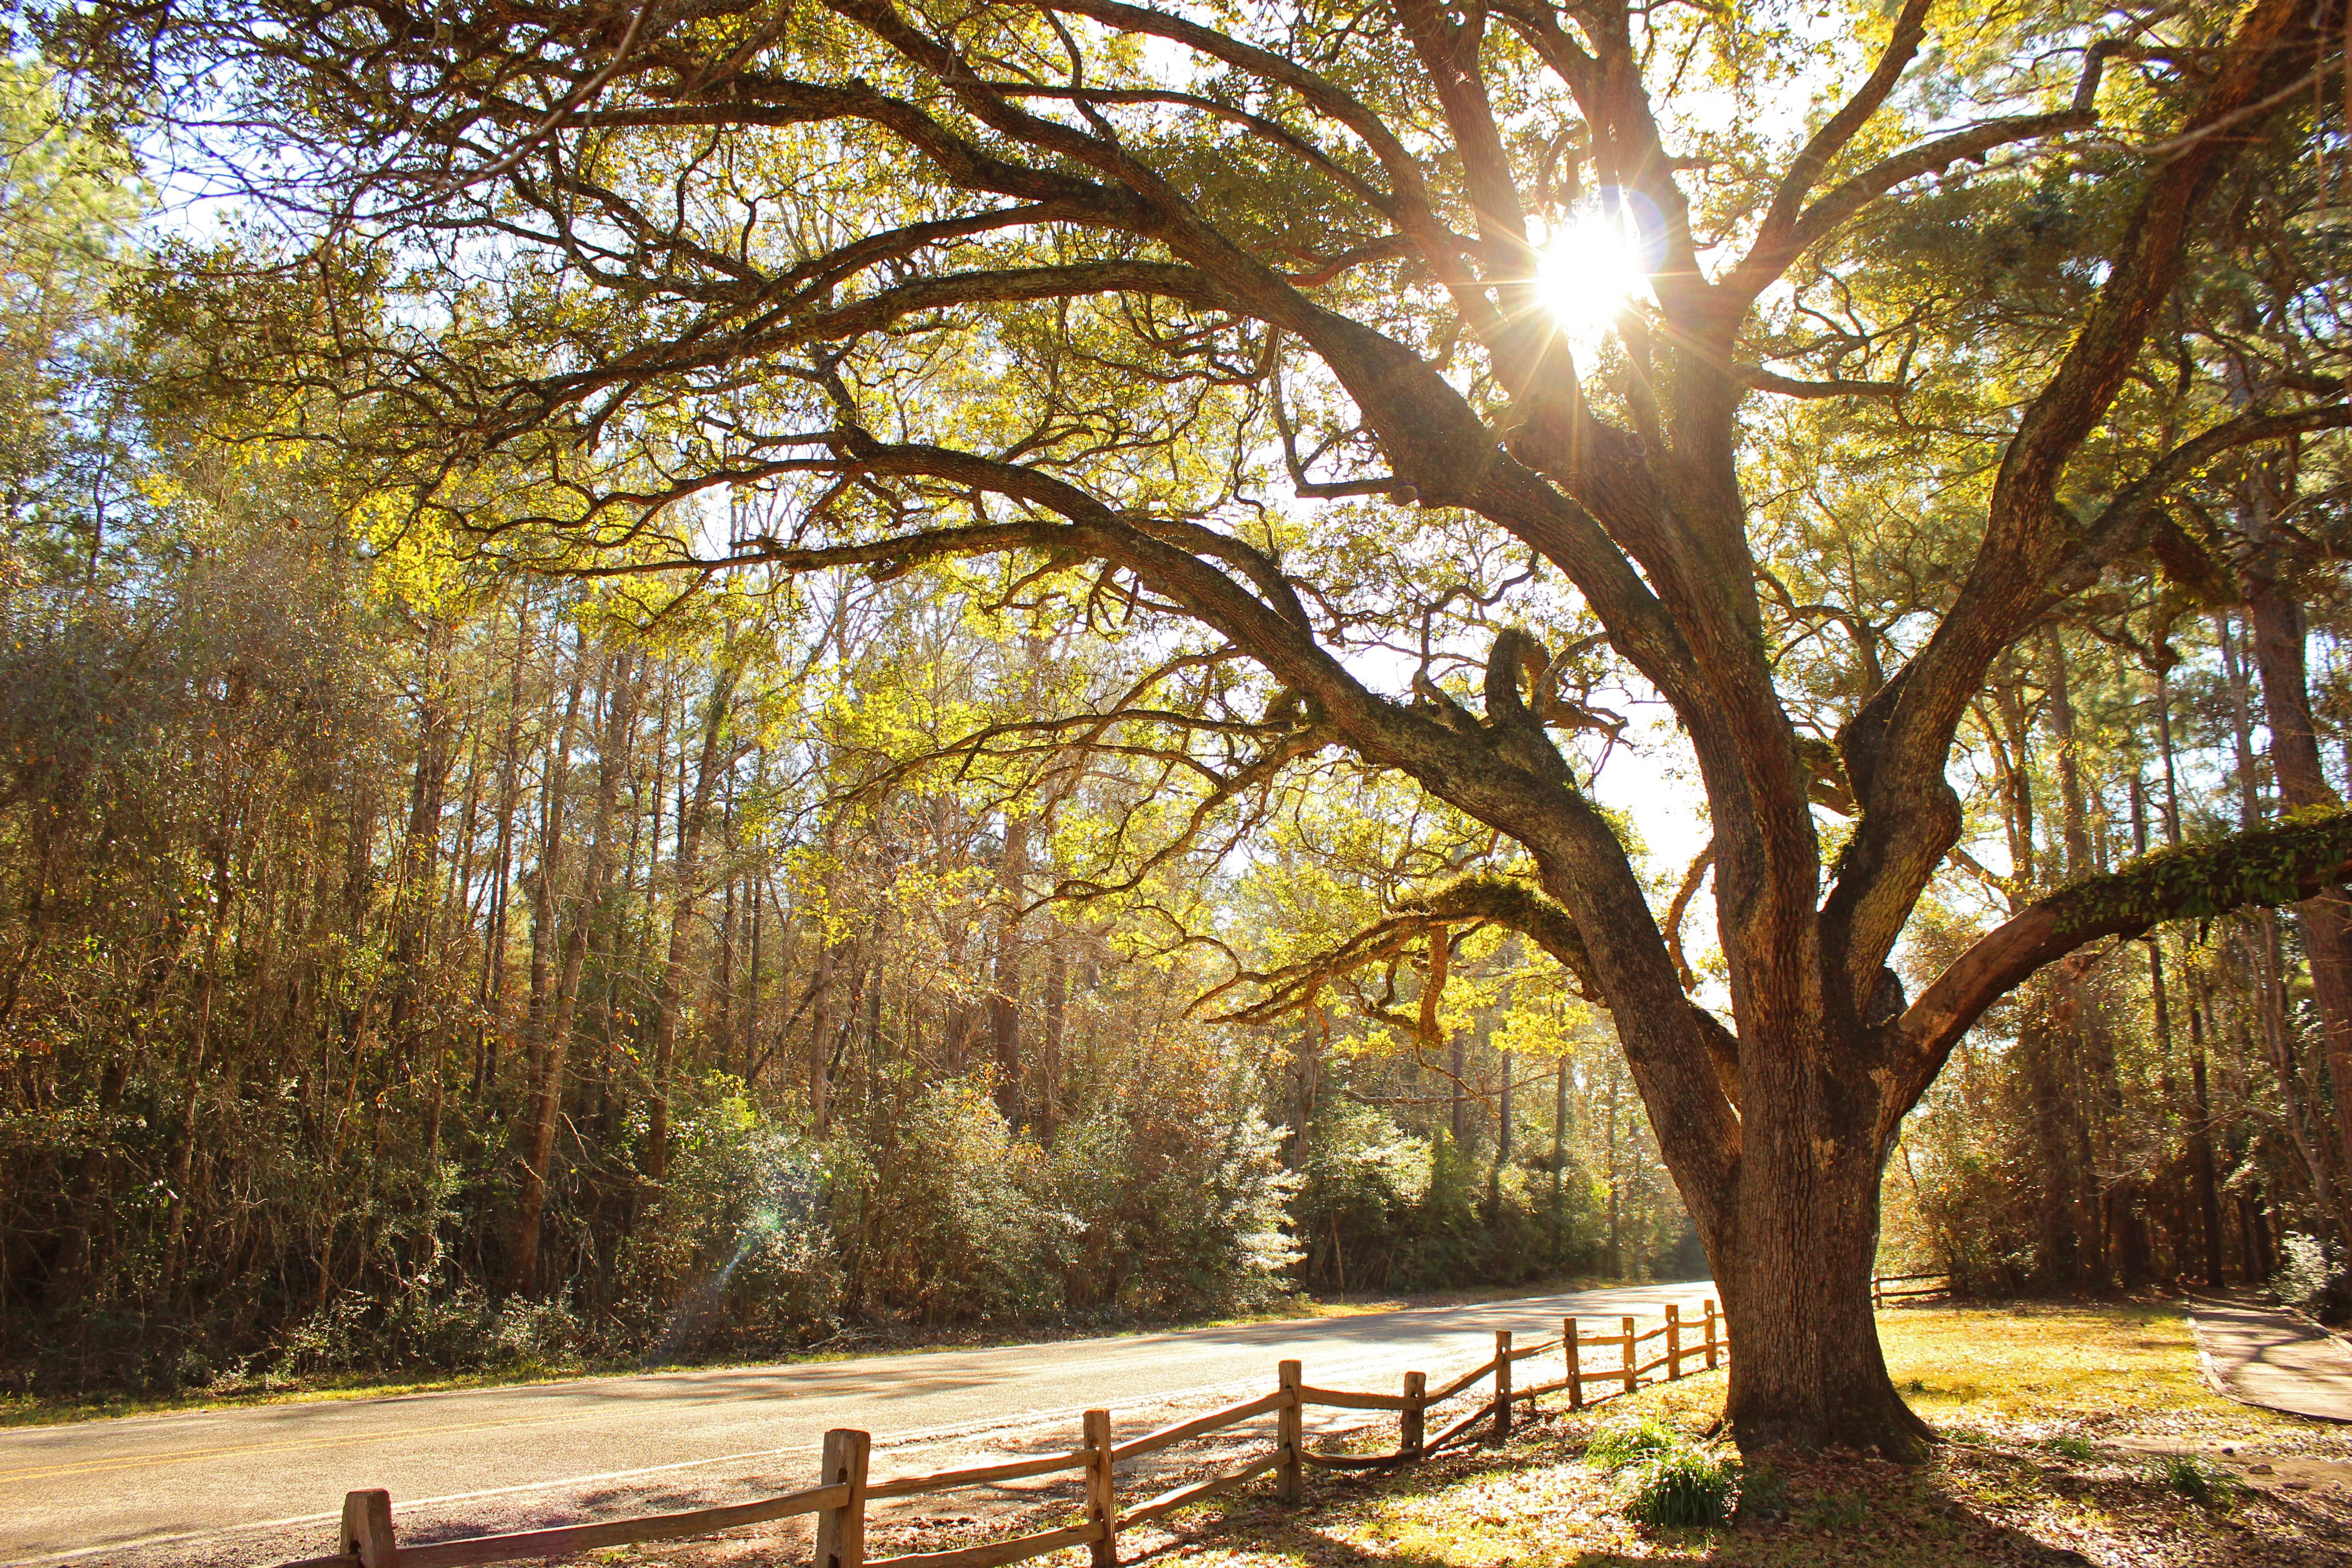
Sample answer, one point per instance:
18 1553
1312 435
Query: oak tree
1245 324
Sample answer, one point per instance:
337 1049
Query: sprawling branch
1767 260
1775 234
2271 866
1486 900
2129 520
1896 747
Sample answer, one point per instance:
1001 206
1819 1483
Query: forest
716 679
416 964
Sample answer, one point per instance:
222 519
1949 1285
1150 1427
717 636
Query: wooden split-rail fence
1886 1287
840 1499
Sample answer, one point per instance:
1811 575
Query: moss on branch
2275 865
1506 901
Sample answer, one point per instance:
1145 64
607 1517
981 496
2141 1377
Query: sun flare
1590 268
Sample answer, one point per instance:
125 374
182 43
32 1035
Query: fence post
1674 1342
1410 1431
841 1531
1633 1378
367 1529
1876 1299
1502 1384
1575 1370
1102 1501
1292 1428
1710 1333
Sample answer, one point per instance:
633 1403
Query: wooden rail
839 1500
1880 1295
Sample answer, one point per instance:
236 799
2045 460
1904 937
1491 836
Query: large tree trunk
1796 1266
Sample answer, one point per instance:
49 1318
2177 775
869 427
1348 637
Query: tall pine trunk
2275 618
685 888
1005 994
538 1149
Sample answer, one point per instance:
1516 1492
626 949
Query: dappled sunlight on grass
2061 1363
2066 1421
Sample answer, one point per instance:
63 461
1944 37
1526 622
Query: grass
1628 1439
2198 1479
2075 1436
1681 1488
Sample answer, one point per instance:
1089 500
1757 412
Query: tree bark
1805 1359
2275 617
2074 818
2041 1047
2200 1145
2316 1150
1005 995
1502 1111
1049 1049
437 727
820 1051
1560 1163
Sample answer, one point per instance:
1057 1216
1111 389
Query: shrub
536 1334
737 1245
1627 1440
945 1208
1170 1194
2302 1278
2200 1481
1680 1488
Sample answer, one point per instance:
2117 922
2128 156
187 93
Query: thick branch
1492 900
1772 255
2271 866
1896 748
1788 199
2124 523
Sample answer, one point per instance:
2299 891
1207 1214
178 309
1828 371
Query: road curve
260 1483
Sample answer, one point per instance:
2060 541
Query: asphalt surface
260 1484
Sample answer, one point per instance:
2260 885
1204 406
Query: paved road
2273 1358
263 1483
